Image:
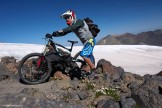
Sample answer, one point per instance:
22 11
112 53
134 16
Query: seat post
72 44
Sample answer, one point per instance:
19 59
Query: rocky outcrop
112 71
149 94
3 73
23 101
159 74
113 88
10 64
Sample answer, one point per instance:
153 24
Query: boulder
107 103
148 95
113 71
4 74
2 68
12 67
10 64
59 75
160 73
127 77
128 102
5 60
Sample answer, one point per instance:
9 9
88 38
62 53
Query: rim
34 69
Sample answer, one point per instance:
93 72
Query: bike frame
51 44
40 65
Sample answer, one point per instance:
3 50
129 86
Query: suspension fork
46 49
39 61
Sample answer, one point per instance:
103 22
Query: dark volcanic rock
160 73
113 71
148 95
3 73
128 103
23 101
131 88
2 68
110 103
7 59
10 64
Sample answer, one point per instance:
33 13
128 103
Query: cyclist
80 28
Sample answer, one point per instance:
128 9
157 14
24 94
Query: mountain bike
37 68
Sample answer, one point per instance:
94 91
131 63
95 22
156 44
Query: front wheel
34 69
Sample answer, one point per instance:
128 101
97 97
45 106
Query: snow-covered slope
140 59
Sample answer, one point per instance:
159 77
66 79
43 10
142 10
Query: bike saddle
74 42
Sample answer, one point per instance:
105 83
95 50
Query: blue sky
27 21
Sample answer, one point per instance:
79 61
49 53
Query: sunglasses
66 17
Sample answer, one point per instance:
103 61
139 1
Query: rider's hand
48 35
55 33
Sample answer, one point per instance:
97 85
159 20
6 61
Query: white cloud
139 59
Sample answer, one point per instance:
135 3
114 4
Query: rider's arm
79 23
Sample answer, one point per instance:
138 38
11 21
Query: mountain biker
80 28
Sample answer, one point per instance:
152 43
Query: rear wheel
34 69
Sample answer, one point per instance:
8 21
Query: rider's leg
87 52
89 62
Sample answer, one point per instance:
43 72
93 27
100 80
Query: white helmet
69 13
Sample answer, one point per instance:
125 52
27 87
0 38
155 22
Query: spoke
33 73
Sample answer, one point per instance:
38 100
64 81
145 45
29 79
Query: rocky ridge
144 38
114 88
